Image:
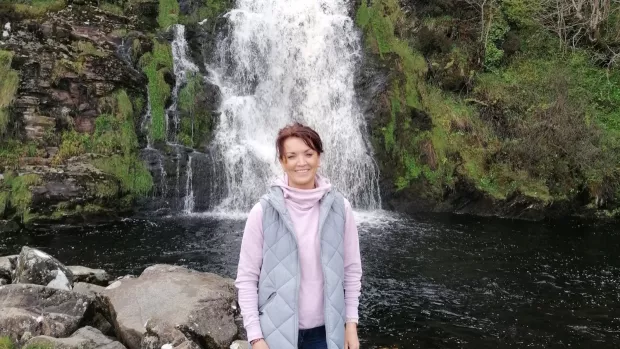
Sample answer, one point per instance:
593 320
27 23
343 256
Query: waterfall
284 61
188 202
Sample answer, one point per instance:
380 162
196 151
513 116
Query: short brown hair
307 134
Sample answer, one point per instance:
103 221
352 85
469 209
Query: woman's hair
307 134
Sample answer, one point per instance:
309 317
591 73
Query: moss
106 189
8 88
155 65
196 123
38 8
168 13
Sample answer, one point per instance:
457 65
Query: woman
299 274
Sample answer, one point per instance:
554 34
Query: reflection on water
429 282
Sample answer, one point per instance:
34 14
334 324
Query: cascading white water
286 61
188 202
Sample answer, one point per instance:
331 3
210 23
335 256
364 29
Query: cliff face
69 144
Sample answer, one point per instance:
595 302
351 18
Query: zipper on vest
269 299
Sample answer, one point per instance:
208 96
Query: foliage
8 88
111 8
530 118
155 65
168 13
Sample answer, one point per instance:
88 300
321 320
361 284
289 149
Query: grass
116 142
111 8
8 88
6 343
16 195
37 8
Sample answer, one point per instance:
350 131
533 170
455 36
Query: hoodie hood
303 199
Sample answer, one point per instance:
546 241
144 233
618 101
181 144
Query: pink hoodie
303 207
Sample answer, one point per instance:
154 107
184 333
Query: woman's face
300 162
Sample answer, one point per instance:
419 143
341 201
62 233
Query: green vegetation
86 48
209 10
8 88
115 142
155 65
15 195
111 8
35 8
168 13
196 122
5 343
496 103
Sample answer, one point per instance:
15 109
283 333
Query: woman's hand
261 344
350 336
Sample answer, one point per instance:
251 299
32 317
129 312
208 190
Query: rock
92 276
240 345
8 226
84 338
169 304
37 267
7 267
87 289
41 310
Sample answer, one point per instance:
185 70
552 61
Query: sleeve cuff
254 332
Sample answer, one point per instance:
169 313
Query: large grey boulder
175 306
84 338
41 310
88 289
37 267
7 267
92 276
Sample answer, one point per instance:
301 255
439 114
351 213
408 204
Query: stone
84 338
37 267
166 303
87 289
8 226
41 310
93 276
240 345
7 267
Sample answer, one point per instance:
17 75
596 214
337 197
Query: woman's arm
248 272
352 265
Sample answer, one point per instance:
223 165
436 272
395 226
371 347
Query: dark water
429 282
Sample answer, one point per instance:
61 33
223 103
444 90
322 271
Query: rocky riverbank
50 305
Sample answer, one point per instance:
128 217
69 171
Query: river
431 281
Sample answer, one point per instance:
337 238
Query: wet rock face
67 63
37 267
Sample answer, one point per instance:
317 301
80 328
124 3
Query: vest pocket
269 299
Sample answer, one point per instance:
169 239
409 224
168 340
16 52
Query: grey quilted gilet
278 286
